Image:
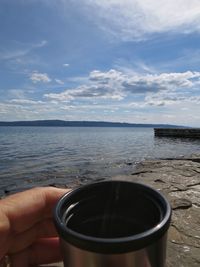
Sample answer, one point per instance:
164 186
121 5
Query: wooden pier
177 132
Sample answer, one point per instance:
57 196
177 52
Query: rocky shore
179 180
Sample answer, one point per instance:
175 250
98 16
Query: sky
134 61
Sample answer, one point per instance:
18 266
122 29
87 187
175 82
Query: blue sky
129 61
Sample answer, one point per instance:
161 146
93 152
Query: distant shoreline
62 123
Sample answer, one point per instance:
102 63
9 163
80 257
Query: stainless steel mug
113 224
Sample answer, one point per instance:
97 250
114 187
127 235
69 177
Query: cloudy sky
109 60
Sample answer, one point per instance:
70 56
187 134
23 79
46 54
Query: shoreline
179 180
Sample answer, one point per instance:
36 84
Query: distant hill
61 123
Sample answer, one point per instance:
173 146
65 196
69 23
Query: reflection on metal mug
113 224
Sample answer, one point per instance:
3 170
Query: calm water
55 155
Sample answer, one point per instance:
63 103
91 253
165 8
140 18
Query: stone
179 180
181 203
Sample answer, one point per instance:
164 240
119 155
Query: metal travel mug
113 224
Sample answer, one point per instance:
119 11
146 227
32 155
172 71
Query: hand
27 232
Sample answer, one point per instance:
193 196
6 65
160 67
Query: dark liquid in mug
107 226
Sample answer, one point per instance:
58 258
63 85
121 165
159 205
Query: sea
70 156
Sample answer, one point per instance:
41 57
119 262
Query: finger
23 240
25 209
45 251
21 211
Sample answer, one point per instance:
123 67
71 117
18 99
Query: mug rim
112 245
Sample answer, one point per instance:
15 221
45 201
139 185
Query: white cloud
177 114
115 95
116 85
24 101
16 93
164 81
136 19
88 92
40 44
65 65
171 99
59 81
36 77
19 49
